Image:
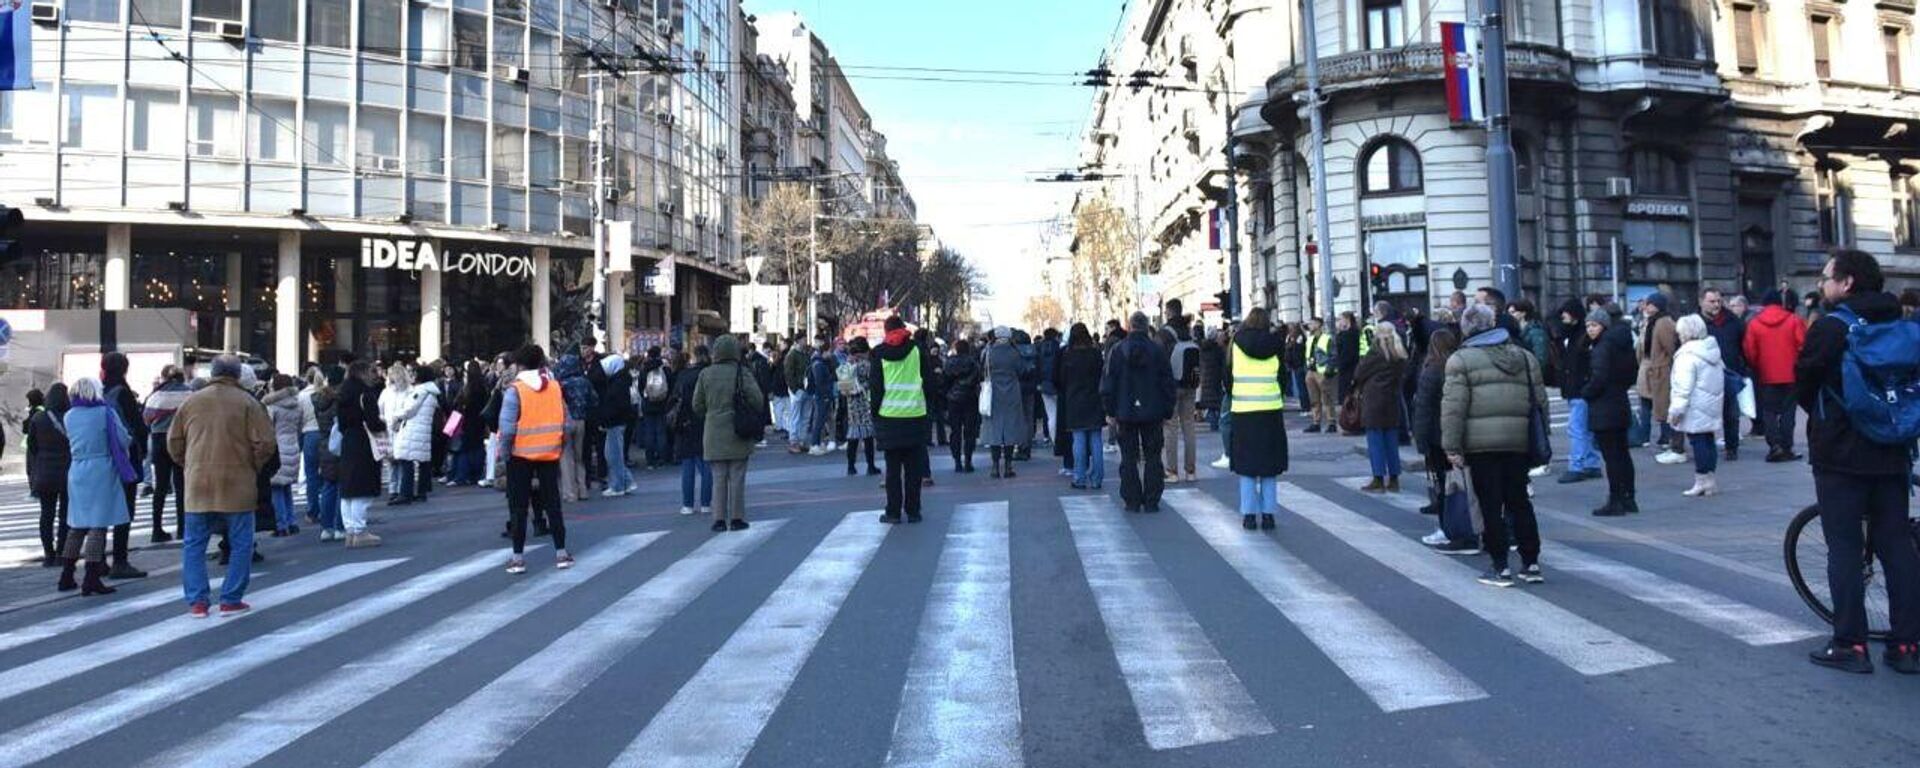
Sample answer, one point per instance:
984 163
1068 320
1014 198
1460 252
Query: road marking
1183 691
69 622
486 723
1389 666
1712 610
53 669
263 730
1588 648
961 702
744 681
59 732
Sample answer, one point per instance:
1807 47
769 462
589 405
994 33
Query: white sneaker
1222 463
1539 471
818 450
1437 538
610 493
686 510
1669 457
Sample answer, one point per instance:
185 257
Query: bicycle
1806 542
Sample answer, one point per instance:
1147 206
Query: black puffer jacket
962 381
1574 349
1077 378
1213 362
1611 371
48 456
1832 444
1426 407
1138 385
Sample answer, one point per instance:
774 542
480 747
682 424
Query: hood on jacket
1258 343
1509 359
613 364
1138 348
1774 316
1877 307
892 351
534 379
726 349
567 367
1488 338
275 399
1707 349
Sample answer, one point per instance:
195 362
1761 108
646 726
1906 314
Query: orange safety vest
542 422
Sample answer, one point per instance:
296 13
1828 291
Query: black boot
91 583
123 570
1248 522
67 584
994 452
1630 506
1266 521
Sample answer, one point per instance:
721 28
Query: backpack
1880 378
656 389
1186 364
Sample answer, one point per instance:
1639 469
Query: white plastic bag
986 400
1747 408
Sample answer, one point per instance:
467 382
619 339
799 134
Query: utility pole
1233 225
1502 207
600 204
813 256
1317 155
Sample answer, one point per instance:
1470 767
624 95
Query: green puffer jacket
713 400
1483 406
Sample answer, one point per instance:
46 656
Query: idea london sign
424 256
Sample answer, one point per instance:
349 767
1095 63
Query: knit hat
1658 300
1599 317
1772 299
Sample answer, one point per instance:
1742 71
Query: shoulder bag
750 419
1539 433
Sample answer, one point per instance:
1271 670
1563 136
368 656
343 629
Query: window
510 9
214 125
509 156
427 38
380 27
1656 172
1822 32
426 143
470 42
225 10
508 47
23 115
1906 208
95 10
1747 37
545 161
326 133
153 120
1523 168
276 20
270 131
1391 167
90 117
1833 202
155 13
1668 30
327 24
377 140
469 150
1384 24
544 60
1890 37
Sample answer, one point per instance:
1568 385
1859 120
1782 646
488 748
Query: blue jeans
329 505
282 507
1582 456
310 461
1260 495
193 556
1226 428
802 420
1089 461
1706 455
690 470
817 410
652 439
619 478
1383 451
1298 377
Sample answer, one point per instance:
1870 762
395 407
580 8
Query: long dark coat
689 426
1378 381
1077 379
1259 447
1610 373
1009 423
359 414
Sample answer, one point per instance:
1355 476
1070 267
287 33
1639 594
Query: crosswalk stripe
483 725
1588 648
961 701
62 731
1389 666
263 730
1183 691
72 621
53 669
751 673
1712 610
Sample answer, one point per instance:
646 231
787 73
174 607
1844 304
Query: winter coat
1576 358
48 456
223 438
1730 333
616 405
713 400
1138 387
283 408
1378 382
1611 371
962 381
575 389
1346 351
125 403
1009 423
657 407
897 433
1078 382
820 379
860 403
414 440
162 403
689 427
1699 387
1832 444
1484 406
393 406
1426 408
794 369
1213 360
1772 341
1048 353
1259 438
358 417
1656 364
326 411
94 495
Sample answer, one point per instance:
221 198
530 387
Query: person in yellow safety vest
1320 377
533 417
899 387
1257 451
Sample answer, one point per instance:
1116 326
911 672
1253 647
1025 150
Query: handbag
1744 398
1349 420
454 420
333 439
1457 520
750 419
1539 431
382 446
986 400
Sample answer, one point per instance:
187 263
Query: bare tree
949 284
1043 312
778 227
1104 260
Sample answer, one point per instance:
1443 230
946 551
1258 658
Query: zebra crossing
72 676
20 517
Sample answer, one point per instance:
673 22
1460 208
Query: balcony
1806 97
1414 63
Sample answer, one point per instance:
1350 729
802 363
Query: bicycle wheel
1806 560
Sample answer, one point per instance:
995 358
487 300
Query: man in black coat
1137 395
1575 356
1611 372
1729 331
902 419
113 369
1346 355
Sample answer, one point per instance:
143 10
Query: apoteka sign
422 256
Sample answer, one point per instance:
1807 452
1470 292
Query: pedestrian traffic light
10 224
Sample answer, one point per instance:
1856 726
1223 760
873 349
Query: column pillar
118 275
543 297
286 305
231 332
617 312
430 313
343 302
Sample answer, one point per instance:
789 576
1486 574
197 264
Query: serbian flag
16 49
1460 50
1217 229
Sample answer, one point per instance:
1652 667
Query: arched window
1658 172
1523 164
1391 167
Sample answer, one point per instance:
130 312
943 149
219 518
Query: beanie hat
1772 299
1658 300
1600 318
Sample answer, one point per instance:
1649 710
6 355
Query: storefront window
54 275
485 315
1397 266
570 295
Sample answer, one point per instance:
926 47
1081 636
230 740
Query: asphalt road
1022 624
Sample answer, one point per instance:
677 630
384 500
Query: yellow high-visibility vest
1256 382
906 396
1320 353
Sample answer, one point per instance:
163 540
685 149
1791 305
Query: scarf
116 445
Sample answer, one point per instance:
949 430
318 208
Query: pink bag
453 424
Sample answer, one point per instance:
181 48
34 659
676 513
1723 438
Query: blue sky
969 151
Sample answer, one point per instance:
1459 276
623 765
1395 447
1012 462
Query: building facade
280 168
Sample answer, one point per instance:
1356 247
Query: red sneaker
233 609
197 610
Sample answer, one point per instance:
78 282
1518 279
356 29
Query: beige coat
1656 366
225 437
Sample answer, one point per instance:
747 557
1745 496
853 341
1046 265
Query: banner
16 51
1460 49
619 246
1217 229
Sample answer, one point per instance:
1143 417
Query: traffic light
10 224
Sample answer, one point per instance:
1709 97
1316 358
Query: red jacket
1773 341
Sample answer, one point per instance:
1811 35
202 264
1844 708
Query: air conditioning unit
231 31
1619 187
387 163
46 13
668 209
513 74
1187 55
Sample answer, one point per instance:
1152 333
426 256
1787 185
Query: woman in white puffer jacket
393 405
1698 388
413 443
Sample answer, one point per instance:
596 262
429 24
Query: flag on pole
16 51
1460 49
1217 229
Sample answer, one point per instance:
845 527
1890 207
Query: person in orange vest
532 427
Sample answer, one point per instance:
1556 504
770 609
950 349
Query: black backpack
1189 365
750 419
